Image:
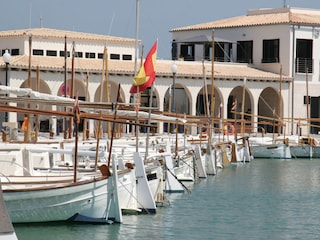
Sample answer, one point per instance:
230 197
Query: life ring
228 129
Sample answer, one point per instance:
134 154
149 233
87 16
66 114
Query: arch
113 92
182 104
42 87
235 105
201 102
269 109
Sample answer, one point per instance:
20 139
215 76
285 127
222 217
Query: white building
42 51
266 39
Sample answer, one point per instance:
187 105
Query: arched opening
179 103
269 116
203 105
41 121
240 99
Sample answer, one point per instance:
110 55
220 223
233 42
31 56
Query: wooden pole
27 133
212 91
84 135
65 86
72 88
280 102
242 107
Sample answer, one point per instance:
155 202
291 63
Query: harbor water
264 199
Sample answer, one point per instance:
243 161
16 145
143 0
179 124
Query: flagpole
136 37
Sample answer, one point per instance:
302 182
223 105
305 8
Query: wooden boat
7 231
304 148
87 200
267 148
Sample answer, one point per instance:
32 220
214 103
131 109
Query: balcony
303 65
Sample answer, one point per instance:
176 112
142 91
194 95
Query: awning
203 39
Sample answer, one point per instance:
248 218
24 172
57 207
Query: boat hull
280 151
88 199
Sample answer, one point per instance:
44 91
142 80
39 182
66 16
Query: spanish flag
147 73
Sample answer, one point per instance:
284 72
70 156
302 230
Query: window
270 51
51 53
187 52
78 54
115 56
100 55
244 51
304 61
126 57
207 51
37 52
15 52
61 53
222 51
90 55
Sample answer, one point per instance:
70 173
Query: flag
76 110
234 105
147 73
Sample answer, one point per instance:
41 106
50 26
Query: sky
118 17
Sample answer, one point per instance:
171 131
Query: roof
163 67
262 17
56 33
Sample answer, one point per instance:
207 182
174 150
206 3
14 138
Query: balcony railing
270 60
304 63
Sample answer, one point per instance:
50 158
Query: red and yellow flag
147 73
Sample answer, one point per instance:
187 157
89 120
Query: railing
270 60
304 63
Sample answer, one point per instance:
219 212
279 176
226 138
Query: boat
304 148
87 200
7 231
267 148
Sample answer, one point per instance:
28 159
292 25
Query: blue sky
117 17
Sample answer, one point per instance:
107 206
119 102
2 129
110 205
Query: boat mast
65 86
27 133
72 88
307 101
212 91
105 54
280 104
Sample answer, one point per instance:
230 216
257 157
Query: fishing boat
304 148
266 147
87 200
7 231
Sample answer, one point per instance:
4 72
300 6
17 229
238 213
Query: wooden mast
212 91
37 115
98 128
307 101
65 86
27 133
105 54
242 106
84 135
280 103
72 88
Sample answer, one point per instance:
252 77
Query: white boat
267 148
304 148
7 231
210 161
87 200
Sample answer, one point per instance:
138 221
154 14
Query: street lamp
6 58
174 69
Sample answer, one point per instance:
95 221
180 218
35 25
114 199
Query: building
272 40
50 55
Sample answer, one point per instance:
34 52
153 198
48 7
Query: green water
264 199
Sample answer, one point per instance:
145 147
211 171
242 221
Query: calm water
264 199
